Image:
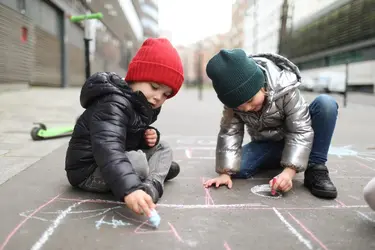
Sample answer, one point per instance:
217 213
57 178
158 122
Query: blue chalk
155 218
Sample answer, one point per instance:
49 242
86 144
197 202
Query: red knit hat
157 61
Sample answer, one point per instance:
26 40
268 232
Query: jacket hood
107 83
281 74
101 84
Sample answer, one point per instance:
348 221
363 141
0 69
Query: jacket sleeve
108 138
229 143
299 133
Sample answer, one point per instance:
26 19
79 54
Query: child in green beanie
262 93
369 193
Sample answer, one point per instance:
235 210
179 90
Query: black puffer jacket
114 122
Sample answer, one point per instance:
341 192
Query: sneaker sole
321 193
324 194
173 175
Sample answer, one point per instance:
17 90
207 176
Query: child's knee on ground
369 193
139 162
164 146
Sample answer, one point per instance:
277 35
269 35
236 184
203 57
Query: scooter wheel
34 133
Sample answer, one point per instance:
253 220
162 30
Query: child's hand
151 137
223 179
140 202
284 180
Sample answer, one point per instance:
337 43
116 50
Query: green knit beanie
235 77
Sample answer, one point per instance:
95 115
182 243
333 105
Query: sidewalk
19 109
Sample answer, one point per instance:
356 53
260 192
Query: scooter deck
43 133
53 132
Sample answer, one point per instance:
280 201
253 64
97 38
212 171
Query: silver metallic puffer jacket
285 115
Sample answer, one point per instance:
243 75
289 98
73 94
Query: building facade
266 22
335 34
196 56
148 12
262 26
41 46
236 33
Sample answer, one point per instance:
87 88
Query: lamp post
199 70
346 82
86 18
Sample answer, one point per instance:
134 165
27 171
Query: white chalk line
269 178
365 216
350 206
114 223
303 240
254 206
258 189
228 206
354 197
71 212
50 230
25 214
105 211
218 206
99 212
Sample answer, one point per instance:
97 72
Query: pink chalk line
175 232
138 229
208 198
364 165
308 231
11 234
340 202
226 246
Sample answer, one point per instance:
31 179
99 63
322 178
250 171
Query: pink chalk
273 191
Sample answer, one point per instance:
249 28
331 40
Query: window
21 6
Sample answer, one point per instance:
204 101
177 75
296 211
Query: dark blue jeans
261 155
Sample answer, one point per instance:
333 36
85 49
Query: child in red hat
113 147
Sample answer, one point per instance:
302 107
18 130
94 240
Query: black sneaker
318 182
154 189
173 171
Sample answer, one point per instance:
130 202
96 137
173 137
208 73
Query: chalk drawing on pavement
204 147
348 151
87 214
293 230
102 213
265 191
366 216
51 229
114 223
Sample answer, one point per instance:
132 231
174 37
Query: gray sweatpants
149 164
369 193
